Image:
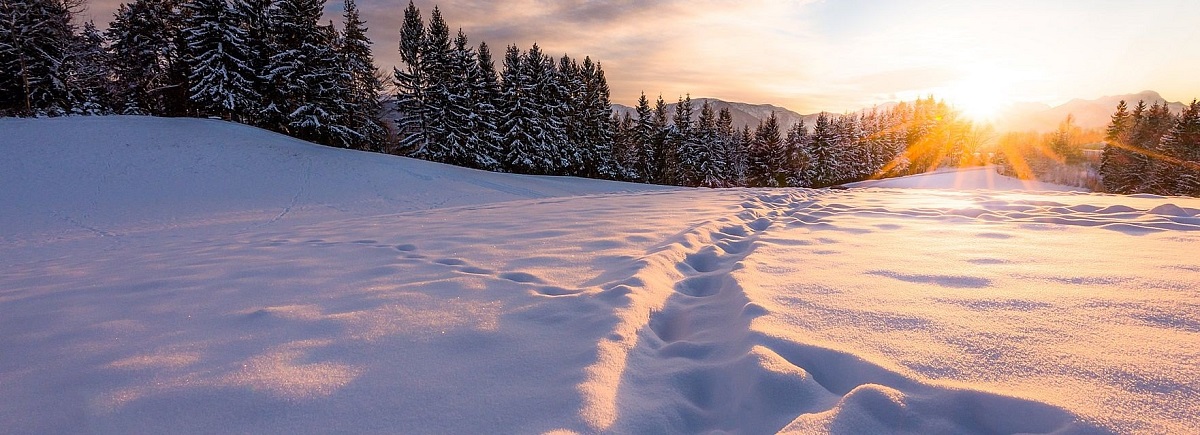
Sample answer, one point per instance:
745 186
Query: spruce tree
663 154
823 149
1181 146
221 78
488 100
254 18
643 139
412 83
36 44
365 84
734 153
92 79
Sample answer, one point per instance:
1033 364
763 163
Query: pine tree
92 79
663 154
312 83
36 44
487 103
366 86
412 83
644 134
767 157
683 158
1121 163
711 167
734 154
221 78
549 129
521 128
436 56
1181 146
254 18
823 147
797 158
597 124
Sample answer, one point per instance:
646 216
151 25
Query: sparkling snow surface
183 276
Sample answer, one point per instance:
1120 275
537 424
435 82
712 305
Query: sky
836 55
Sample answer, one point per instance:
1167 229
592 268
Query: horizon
849 55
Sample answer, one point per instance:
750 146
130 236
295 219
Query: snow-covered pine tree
570 90
1122 164
520 115
625 147
1182 145
436 54
467 147
681 152
487 101
36 43
411 83
734 153
91 83
221 78
308 74
663 154
254 18
143 35
823 145
597 123
364 104
710 170
767 160
798 160
1162 169
644 132
549 136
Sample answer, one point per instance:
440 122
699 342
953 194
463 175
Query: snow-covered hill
184 276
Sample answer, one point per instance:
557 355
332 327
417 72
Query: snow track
697 364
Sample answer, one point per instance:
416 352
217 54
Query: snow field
200 297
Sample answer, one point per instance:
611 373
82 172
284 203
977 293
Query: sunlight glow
982 94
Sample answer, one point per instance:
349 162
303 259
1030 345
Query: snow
182 276
982 177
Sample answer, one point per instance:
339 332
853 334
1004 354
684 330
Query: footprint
406 248
450 262
760 224
734 247
706 260
475 270
520 277
702 286
364 242
550 290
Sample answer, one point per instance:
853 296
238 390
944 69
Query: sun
981 95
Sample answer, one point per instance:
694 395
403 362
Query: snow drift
178 276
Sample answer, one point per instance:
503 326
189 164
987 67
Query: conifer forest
273 64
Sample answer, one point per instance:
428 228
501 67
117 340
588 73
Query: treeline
268 63
706 149
272 64
1065 156
1151 150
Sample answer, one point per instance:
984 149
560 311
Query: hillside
1095 113
197 276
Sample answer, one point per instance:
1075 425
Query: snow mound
111 175
974 178
463 305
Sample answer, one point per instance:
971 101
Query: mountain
1088 113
